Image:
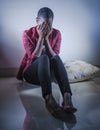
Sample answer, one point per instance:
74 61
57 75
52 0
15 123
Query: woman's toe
70 109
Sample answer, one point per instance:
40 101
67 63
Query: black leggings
40 73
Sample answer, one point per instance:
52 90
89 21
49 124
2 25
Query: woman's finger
43 25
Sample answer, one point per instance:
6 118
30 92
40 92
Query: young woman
42 45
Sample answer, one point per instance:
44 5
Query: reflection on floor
17 99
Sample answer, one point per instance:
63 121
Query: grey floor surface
16 98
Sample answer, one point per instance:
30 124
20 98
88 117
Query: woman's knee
56 59
44 58
57 62
44 62
44 67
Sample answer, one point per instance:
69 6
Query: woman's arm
41 30
48 47
32 50
56 49
39 47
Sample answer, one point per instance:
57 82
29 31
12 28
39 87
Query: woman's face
42 20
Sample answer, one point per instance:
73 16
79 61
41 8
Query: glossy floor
16 98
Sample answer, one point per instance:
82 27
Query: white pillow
79 70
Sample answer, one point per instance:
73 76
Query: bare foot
67 104
51 104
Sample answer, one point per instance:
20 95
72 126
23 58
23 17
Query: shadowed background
78 21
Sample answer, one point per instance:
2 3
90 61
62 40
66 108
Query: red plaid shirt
30 38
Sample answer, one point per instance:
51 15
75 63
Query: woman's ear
37 20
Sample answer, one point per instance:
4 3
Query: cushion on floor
79 71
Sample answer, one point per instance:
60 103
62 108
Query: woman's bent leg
62 79
60 74
39 73
44 74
